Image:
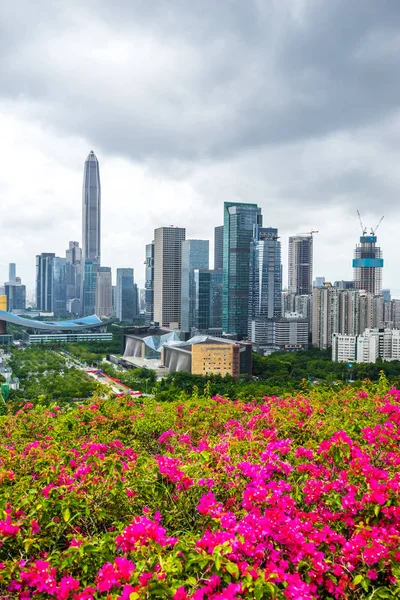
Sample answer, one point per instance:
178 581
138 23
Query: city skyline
309 135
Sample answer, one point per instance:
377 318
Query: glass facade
73 271
44 281
91 205
265 279
59 286
89 287
195 255
239 220
16 296
367 265
12 272
219 247
126 296
208 299
149 282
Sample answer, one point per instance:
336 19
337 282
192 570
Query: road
117 388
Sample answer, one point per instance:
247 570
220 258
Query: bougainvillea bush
293 498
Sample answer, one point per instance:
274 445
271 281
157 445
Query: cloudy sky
292 104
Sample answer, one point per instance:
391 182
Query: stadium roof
74 324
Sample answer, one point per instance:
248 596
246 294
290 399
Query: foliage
44 373
288 498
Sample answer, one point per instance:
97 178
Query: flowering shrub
291 498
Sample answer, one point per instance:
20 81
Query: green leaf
357 579
233 569
66 515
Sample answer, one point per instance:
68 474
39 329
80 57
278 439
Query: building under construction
368 262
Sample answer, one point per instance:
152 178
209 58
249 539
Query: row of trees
44 373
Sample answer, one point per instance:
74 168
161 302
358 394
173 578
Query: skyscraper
126 308
103 292
73 273
208 299
12 271
149 282
300 264
195 255
167 275
91 208
265 278
239 219
367 265
44 281
59 286
219 247
16 295
89 283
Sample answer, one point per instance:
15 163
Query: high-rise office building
195 255
103 292
44 281
208 299
59 286
73 275
300 265
91 238
89 283
126 307
51 291
16 295
91 210
219 247
167 275
367 265
149 282
239 219
265 275
12 272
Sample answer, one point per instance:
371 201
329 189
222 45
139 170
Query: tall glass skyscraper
195 255
300 265
44 281
126 305
60 286
219 247
91 208
149 282
51 283
265 279
239 219
367 264
89 287
208 299
74 273
12 271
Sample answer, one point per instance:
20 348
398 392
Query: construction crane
363 229
308 232
373 231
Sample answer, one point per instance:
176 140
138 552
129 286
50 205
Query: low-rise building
367 348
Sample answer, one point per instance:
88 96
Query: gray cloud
202 79
293 104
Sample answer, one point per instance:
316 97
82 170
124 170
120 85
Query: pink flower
180 594
35 528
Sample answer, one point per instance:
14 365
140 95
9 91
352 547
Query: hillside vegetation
288 498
